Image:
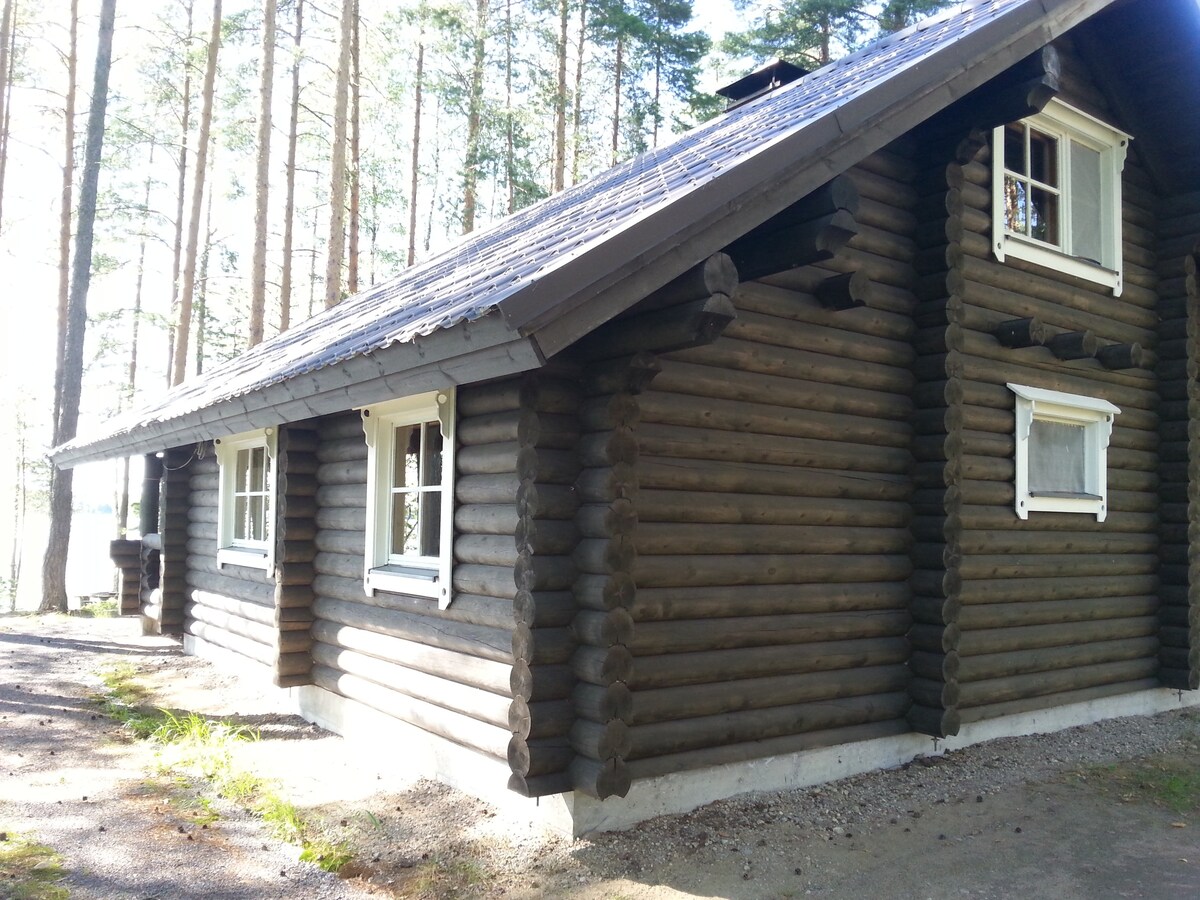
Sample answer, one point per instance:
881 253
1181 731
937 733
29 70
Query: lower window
245 499
1061 452
410 495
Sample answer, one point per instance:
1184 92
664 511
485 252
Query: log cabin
858 423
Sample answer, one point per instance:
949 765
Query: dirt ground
1081 814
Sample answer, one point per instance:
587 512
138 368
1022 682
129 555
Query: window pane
241 518
1057 457
1016 218
431 523
1087 232
405 519
1043 158
257 476
432 475
257 520
407 456
1043 216
1014 148
241 470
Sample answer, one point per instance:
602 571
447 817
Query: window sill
413 580
1019 247
244 557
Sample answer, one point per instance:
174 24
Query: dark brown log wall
165 608
1179 451
1015 615
232 607
766 477
444 671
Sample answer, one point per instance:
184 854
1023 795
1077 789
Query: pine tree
262 179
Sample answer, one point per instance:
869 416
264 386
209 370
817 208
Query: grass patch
1170 780
189 743
28 870
446 877
99 609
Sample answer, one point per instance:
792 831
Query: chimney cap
775 73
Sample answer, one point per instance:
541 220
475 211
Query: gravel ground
1030 817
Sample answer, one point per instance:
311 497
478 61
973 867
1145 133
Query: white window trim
420 576
232 551
1096 416
1065 121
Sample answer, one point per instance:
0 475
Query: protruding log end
934 722
600 779
1017 333
844 291
1073 345
1122 356
540 785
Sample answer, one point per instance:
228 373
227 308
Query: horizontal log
469 640
1051 612
823 368
831 340
544 609
450 665
674 441
934 722
1056 699
1045 659
691 324
1018 590
602 665
253 611
666 604
776 247
701 571
543 646
489 740
442 692
724 476
697 506
681 735
768 418
713 699
217 584
600 741
681 539
882 645
795 306
539 756
702 635
228 640
716 274
1024 686
230 622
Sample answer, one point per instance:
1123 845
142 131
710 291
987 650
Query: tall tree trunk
312 264
54 567
8 41
131 372
577 113
474 116
262 177
289 205
202 295
337 182
355 186
510 154
418 86
21 471
183 327
560 101
618 71
180 198
66 193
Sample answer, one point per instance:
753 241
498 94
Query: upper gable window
410 495
1056 193
245 499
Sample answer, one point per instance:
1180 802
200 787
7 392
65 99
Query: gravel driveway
1055 816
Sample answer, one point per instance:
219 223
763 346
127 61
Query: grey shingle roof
527 265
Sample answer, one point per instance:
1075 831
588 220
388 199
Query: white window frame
422 576
1068 124
239 551
1096 416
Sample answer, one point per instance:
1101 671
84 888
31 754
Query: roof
511 295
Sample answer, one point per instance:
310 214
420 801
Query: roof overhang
469 352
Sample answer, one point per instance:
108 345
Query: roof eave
468 352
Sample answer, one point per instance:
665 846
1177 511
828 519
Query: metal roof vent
776 73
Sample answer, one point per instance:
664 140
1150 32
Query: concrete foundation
420 754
